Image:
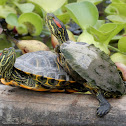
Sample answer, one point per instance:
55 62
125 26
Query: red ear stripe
0 54
57 23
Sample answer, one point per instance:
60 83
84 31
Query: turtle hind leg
104 107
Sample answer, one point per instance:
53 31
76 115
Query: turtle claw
103 109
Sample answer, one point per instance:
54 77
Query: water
4 43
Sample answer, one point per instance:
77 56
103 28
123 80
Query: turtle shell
93 65
43 63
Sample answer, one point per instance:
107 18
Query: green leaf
117 11
58 12
118 1
98 35
83 13
49 5
26 7
109 27
5 10
12 19
10 27
38 10
117 18
117 37
65 17
33 22
99 23
2 2
22 29
102 47
118 57
122 44
125 28
111 10
93 1
121 8
116 8
115 1
88 38
106 32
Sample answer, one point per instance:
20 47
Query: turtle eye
50 18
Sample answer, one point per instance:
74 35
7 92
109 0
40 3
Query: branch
25 107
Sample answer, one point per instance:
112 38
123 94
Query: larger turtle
37 71
86 62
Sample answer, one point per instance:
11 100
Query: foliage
93 1
25 7
27 16
49 5
119 58
116 14
5 10
86 10
26 23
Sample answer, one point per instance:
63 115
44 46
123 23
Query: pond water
4 43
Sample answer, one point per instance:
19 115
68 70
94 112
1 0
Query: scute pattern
93 65
43 63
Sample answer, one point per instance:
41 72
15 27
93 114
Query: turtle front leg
104 107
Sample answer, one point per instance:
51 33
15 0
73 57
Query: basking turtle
37 71
86 62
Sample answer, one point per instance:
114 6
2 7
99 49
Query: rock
24 107
27 46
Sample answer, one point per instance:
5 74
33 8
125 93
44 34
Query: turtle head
57 28
7 60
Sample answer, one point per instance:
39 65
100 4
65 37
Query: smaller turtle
85 62
37 71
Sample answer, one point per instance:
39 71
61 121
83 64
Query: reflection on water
3 42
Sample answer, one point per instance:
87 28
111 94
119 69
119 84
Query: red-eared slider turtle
37 71
86 62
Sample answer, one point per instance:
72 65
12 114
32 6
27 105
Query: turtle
38 71
88 65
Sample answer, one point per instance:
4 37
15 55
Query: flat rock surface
24 107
